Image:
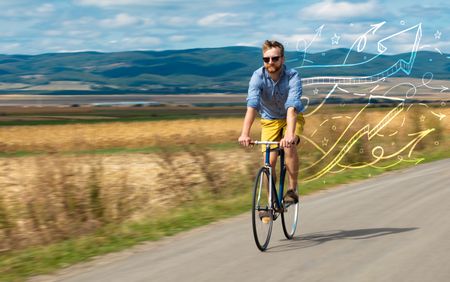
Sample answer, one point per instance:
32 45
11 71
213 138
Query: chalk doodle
356 135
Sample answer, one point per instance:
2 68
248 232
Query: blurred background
119 119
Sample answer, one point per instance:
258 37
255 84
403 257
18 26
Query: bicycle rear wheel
262 215
289 217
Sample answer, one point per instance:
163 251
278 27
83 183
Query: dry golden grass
74 137
109 135
74 195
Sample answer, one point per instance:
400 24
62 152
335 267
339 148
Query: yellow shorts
273 130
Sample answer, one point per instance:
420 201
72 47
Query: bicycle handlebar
264 143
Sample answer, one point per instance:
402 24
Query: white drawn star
437 34
422 118
316 91
335 39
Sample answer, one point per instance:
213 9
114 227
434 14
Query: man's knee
291 151
273 163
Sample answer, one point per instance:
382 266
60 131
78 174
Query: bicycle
268 202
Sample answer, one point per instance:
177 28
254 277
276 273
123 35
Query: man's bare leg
291 159
273 163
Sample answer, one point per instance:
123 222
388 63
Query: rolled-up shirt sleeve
254 92
295 93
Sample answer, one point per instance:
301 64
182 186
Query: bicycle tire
262 227
289 216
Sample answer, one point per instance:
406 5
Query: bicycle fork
267 165
271 207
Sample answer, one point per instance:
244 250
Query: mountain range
203 70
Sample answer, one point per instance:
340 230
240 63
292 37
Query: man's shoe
264 216
291 197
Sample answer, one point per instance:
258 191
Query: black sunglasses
274 59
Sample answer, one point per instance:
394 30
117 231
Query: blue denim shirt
273 99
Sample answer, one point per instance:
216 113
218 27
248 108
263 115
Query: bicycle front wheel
289 217
262 214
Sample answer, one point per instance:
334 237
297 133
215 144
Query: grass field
74 191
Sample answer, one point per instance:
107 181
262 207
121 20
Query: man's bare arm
289 136
250 116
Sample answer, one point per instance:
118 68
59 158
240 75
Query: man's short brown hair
269 44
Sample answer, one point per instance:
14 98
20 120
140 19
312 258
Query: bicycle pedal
279 210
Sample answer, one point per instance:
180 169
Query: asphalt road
393 227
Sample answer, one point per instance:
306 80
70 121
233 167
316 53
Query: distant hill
210 70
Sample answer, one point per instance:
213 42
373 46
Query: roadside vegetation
70 192
15 116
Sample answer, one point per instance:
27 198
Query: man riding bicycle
275 91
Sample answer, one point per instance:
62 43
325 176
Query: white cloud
89 34
12 48
53 32
441 46
221 19
141 42
147 21
45 8
55 44
120 20
330 10
75 50
173 3
176 21
110 3
253 43
403 48
78 22
29 12
105 3
7 33
178 38
298 42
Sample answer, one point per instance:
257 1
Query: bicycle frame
264 213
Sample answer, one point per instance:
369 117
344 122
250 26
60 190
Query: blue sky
35 27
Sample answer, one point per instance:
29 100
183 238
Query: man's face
273 61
